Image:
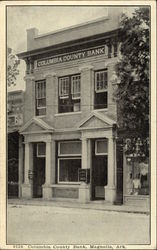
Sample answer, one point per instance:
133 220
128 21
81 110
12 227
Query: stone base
84 193
26 191
47 192
137 200
110 194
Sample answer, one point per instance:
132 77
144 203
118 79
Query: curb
80 207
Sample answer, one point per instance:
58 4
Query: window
101 82
75 87
101 147
41 149
40 87
69 93
69 161
64 88
11 121
68 169
69 148
15 120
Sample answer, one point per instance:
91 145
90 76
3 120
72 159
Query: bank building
69 132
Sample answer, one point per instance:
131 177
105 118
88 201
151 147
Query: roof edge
73 27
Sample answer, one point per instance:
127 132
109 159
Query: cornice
69 44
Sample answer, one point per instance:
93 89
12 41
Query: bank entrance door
98 169
38 169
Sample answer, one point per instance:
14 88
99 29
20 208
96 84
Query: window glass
41 149
101 94
100 81
11 120
68 170
69 161
70 148
101 146
101 100
69 94
64 87
40 97
75 87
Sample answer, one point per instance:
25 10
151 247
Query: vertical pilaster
53 162
86 88
112 105
111 170
27 189
49 169
48 163
110 189
29 98
51 95
84 189
84 153
26 180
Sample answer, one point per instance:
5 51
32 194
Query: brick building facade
70 116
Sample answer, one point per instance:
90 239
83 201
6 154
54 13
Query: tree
12 67
132 71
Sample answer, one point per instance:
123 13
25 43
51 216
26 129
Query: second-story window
101 89
69 93
40 93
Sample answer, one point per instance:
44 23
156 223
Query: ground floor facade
78 164
83 164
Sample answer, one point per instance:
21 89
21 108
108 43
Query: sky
45 19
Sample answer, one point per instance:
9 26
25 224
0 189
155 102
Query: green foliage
133 73
12 68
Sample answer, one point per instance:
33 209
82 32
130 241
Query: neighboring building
15 122
70 116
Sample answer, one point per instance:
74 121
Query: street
57 225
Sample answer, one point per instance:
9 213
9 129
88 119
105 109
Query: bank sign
78 55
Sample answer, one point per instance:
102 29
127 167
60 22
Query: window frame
96 146
72 87
67 156
66 96
63 155
72 101
66 182
104 90
37 107
99 72
15 123
37 150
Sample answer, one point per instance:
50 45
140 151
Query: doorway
98 170
38 169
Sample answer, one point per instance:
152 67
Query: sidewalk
96 205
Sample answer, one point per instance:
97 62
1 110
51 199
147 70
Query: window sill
68 113
65 185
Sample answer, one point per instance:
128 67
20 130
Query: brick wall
51 74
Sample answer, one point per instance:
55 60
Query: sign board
84 175
81 54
